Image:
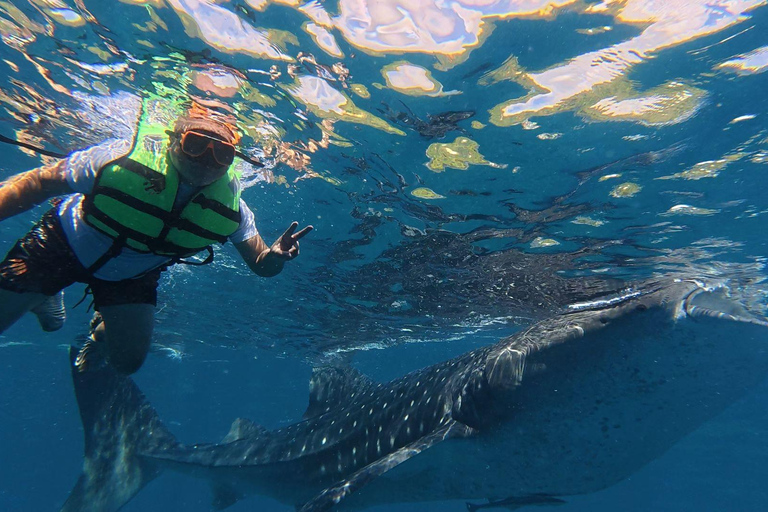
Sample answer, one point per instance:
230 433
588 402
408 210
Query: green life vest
133 202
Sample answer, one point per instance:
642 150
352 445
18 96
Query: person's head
202 145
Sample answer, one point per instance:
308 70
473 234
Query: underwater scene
535 277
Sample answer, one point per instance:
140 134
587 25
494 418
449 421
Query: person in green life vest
130 209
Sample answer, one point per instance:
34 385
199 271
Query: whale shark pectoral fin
332 387
224 496
333 495
516 502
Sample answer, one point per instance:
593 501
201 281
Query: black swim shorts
43 262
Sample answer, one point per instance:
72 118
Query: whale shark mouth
716 300
605 302
711 298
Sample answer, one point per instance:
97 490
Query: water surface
468 167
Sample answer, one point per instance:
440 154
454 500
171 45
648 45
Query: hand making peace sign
287 246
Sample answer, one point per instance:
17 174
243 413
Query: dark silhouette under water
435 126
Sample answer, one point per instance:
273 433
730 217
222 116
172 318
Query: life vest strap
217 207
170 219
113 252
156 180
119 228
129 200
186 225
208 259
155 245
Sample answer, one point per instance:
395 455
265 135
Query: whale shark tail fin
120 426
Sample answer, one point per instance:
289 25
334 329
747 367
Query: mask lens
195 144
223 152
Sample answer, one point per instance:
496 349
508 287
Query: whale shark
569 405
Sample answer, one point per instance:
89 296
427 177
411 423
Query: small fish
478 70
739 119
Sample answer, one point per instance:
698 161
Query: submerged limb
23 191
126 333
13 305
51 313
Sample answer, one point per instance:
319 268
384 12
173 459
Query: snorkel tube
36 149
7 140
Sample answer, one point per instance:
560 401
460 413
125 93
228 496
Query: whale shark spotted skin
570 405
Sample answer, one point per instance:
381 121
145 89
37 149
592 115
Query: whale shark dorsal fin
242 429
332 387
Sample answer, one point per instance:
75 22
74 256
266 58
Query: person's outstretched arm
267 261
23 191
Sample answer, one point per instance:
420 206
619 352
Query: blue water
393 279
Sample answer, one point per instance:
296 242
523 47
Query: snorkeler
132 209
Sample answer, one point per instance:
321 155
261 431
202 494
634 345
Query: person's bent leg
128 311
127 334
34 273
13 305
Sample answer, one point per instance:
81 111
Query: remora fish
571 405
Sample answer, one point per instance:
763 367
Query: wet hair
201 119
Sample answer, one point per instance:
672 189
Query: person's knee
127 331
127 361
126 353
